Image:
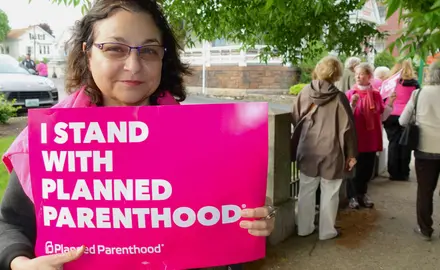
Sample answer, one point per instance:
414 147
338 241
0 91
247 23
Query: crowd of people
344 112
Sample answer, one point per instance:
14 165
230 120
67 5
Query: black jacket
17 224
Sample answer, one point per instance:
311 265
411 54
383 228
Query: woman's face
126 79
362 77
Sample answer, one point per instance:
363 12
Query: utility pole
35 45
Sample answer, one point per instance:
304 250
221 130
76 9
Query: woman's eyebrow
146 41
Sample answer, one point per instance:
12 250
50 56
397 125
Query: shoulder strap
417 99
415 103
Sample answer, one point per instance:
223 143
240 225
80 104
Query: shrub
384 59
296 89
7 109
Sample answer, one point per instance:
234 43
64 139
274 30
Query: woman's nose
133 63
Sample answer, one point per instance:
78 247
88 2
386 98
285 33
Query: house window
41 51
382 12
44 37
7 49
48 49
44 49
29 49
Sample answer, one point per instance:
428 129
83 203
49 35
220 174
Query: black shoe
366 202
353 204
422 235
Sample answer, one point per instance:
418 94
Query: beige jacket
328 136
428 118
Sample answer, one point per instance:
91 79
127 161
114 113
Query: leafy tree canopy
421 35
288 28
4 25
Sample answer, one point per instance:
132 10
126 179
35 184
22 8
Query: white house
33 40
60 47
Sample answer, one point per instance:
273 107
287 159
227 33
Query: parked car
28 90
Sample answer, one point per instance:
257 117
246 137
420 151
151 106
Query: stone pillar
279 175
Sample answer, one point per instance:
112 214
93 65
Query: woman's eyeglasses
119 51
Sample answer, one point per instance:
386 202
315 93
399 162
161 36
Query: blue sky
22 14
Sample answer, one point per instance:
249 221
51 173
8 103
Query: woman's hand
392 98
264 223
354 100
351 162
49 262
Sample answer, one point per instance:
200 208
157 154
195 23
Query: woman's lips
132 83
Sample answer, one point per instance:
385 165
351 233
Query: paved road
190 100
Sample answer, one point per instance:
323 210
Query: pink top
17 156
403 95
367 117
42 69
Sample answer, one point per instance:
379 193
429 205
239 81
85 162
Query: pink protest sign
389 85
149 187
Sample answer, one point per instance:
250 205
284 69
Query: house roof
16 33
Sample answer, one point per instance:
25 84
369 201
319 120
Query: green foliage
421 36
384 59
4 25
296 89
288 28
308 63
7 109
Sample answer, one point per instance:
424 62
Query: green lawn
4 176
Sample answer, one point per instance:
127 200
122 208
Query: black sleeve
17 224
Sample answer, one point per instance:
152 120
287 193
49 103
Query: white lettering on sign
109 190
87 163
122 132
128 218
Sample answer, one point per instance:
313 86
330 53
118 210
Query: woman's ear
84 47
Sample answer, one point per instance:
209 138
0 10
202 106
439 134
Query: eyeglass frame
100 46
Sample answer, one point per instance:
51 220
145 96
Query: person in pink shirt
42 69
380 74
399 156
369 111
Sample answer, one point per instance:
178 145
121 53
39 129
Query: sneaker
353 203
366 202
421 235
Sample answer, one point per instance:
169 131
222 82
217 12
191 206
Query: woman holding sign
399 156
123 53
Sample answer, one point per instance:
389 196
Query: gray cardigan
428 118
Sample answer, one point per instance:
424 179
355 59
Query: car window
11 67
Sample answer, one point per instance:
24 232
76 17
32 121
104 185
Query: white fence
226 55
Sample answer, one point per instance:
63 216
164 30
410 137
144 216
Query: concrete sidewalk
381 238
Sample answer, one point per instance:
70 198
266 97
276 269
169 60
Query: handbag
411 133
296 135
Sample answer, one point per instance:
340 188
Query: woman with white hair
348 80
380 74
423 108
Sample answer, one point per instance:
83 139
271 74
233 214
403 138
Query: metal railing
294 182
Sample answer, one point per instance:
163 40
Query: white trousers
328 206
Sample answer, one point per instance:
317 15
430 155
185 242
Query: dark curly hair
78 73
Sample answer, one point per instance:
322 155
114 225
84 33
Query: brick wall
250 77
